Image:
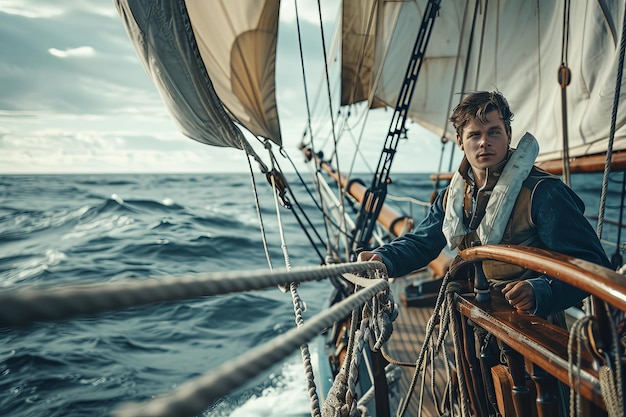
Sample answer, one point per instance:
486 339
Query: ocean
70 229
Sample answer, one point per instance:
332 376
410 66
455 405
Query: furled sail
212 62
515 47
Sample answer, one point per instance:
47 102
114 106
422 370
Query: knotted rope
377 317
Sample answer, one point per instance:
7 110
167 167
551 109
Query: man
499 196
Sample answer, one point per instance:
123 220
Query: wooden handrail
597 280
539 341
543 343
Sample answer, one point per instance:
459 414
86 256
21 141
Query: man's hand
520 295
368 256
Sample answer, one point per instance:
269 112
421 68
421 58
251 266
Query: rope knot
454 288
384 311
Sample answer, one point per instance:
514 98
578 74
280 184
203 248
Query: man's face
485 145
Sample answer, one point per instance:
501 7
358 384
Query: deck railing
538 349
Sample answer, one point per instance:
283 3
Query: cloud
76 99
25 9
82 51
48 151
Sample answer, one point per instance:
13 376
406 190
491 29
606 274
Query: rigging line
409 200
443 148
330 108
470 44
609 153
297 203
56 302
359 67
616 259
297 301
298 305
340 128
345 126
258 212
564 77
451 95
334 130
357 145
482 43
281 229
466 70
565 37
430 328
614 383
320 208
370 100
196 395
306 91
362 114
319 91
375 194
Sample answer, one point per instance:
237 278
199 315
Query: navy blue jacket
558 214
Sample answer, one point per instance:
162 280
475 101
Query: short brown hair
476 105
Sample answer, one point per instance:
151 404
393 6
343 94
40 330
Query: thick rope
61 302
363 336
198 394
298 307
281 229
610 394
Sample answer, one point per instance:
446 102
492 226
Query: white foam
286 397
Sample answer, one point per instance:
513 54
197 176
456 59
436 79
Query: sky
75 98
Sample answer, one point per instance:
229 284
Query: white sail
218 59
237 42
212 62
516 48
